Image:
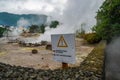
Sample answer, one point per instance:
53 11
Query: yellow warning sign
62 42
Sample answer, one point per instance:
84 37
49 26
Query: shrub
44 42
2 30
48 47
80 33
92 38
34 51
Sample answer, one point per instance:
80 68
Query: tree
81 32
54 24
108 20
34 29
42 28
3 30
82 28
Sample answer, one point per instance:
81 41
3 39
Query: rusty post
64 65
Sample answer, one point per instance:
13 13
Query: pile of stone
8 72
23 44
29 42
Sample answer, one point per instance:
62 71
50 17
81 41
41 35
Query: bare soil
12 53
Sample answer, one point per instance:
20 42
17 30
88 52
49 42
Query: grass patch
94 61
2 53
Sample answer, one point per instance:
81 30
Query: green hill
12 19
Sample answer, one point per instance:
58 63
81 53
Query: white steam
112 60
23 22
13 33
70 13
75 13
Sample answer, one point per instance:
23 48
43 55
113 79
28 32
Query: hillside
12 19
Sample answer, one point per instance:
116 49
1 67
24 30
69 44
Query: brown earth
13 54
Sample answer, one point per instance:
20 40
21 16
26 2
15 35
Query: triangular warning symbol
62 42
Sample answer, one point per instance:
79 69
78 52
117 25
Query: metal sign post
64 65
63 46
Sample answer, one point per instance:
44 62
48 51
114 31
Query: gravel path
8 72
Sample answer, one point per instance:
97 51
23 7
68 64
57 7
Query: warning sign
62 42
63 46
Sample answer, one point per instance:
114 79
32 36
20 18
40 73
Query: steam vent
29 42
58 39
27 54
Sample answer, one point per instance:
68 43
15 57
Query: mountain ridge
11 19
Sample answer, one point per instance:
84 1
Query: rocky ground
8 72
90 69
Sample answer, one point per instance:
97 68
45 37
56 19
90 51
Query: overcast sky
32 6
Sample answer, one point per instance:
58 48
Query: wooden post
64 65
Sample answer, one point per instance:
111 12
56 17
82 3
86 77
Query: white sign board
63 46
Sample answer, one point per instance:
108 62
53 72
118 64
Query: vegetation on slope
108 20
94 61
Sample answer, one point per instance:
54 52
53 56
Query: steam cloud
75 13
112 62
70 13
22 22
